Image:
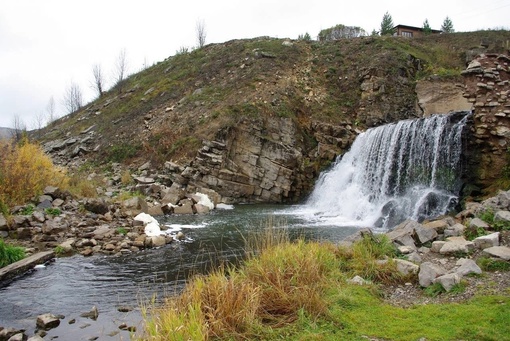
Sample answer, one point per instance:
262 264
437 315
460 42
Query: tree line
387 27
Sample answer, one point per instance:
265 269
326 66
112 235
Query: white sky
47 44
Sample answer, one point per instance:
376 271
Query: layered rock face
487 80
263 160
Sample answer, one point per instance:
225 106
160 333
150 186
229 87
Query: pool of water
73 285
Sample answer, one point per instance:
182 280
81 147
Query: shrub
24 172
10 254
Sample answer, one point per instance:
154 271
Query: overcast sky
45 45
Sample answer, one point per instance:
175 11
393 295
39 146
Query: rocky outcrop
261 160
487 81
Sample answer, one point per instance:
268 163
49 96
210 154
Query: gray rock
45 198
52 191
18 337
54 226
96 205
47 321
102 231
455 230
185 207
3 223
448 281
468 266
144 180
68 245
180 236
35 338
503 216
456 245
414 257
478 223
405 267
438 225
424 234
403 234
358 280
136 205
405 249
7 333
57 202
502 252
484 242
201 209
48 203
437 245
92 314
428 273
38 216
158 241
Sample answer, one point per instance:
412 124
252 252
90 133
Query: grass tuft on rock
10 254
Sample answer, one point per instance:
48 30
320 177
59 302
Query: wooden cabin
411 31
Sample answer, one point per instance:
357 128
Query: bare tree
72 98
120 67
50 111
38 123
201 33
19 128
98 83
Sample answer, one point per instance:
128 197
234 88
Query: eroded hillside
256 120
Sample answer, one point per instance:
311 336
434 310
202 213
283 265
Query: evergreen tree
387 25
447 26
426 27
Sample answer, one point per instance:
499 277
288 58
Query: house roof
414 28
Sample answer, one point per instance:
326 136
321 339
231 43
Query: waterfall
409 169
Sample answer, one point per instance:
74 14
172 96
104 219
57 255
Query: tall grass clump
10 254
371 258
271 289
25 170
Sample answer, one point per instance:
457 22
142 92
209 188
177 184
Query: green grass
298 291
10 254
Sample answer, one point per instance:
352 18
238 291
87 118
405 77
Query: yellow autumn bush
25 170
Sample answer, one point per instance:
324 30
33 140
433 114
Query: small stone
428 273
405 267
484 242
468 267
180 236
92 314
358 280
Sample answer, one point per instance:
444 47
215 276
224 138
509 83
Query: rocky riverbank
449 252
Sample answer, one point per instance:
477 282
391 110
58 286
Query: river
71 286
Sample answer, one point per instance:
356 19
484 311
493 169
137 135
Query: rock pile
430 246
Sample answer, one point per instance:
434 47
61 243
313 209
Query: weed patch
10 254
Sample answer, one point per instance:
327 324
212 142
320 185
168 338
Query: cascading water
409 169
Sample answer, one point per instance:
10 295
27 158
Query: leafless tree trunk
38 123
120 68
73 98
50 111
19 128
201 33
98 84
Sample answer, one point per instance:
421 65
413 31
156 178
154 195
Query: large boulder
467 267
456 245
428 273
424 234
403 234
502 216
484 242
448 281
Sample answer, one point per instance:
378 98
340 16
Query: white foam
224 207
204 200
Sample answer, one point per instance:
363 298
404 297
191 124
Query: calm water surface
71 286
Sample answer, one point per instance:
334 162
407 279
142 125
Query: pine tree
387 25
447 26
426 27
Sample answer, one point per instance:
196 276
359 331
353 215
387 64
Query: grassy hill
165 111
